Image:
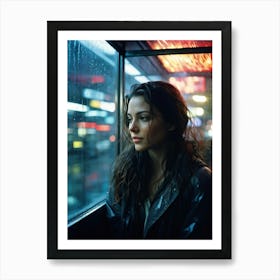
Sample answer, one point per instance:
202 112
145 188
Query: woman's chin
139 148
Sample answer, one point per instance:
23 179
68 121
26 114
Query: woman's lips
136 139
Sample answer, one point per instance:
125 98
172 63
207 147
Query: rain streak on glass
92 82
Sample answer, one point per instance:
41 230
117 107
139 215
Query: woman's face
147 130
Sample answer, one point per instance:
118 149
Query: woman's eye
145 118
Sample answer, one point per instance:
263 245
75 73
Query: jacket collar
161 203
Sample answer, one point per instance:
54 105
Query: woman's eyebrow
139 113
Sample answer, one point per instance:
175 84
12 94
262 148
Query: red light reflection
98 127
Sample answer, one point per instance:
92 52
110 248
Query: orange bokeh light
193 62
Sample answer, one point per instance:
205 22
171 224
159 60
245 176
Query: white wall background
255 139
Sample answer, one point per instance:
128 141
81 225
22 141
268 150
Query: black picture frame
53 250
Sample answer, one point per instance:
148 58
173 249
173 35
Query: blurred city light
199 98
131 70
103 105
78 144
77 107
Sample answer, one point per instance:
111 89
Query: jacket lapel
161 204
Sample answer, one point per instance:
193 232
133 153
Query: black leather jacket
175 213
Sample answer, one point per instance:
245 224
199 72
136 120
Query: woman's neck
158 162
158 158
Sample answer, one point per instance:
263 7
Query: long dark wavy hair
132 169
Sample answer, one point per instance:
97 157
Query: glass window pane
92 86
195 86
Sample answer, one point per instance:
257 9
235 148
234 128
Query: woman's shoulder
202 177
203 171
193 163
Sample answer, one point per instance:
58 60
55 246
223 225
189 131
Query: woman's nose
133 126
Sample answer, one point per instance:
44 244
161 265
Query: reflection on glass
195 89
92 84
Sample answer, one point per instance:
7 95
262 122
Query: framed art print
91 68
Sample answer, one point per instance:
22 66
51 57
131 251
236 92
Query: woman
160 186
